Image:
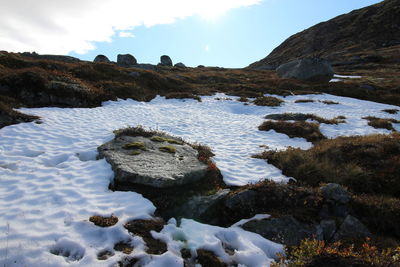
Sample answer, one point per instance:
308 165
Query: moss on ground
162 139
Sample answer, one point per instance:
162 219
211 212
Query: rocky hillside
351 41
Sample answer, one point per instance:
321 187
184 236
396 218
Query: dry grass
391 111
304 117
269 101
369 164
307 130
304 101
381 123
103 221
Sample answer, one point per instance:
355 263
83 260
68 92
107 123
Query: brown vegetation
381 123
304 117
369 164
307 130
269 101
103 221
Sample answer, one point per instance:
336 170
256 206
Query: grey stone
151 166
307 69
328 229
245 199
286 230
351 228
180 65
101 59
165 61
126 60
336 193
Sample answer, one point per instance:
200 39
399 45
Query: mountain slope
370 34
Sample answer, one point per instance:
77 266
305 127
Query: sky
225 33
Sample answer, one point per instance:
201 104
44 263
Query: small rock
101 59
165 61
336 193
351 228
126 60
180 65
307 69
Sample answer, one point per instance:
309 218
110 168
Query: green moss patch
168 149
134 145
135 153
162 139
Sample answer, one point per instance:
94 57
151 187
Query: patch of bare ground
304 117
103 221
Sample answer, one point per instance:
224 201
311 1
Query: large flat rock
148 165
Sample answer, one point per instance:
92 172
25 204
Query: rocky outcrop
307 69
180 65
344 39
126 60
101 59
159 161
165 61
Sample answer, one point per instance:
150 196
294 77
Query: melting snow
51 182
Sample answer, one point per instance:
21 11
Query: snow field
51 182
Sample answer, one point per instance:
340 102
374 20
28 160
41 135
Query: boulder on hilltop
165 61
126 60
101 59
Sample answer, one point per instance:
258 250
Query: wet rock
101 59
286 230
351 228
336 193
307 69
165 61
152 163
126 60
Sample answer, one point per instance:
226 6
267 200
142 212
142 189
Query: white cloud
207 48
62 26
126 34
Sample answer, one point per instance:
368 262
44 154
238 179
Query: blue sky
226 33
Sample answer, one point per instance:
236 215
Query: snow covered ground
51 182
